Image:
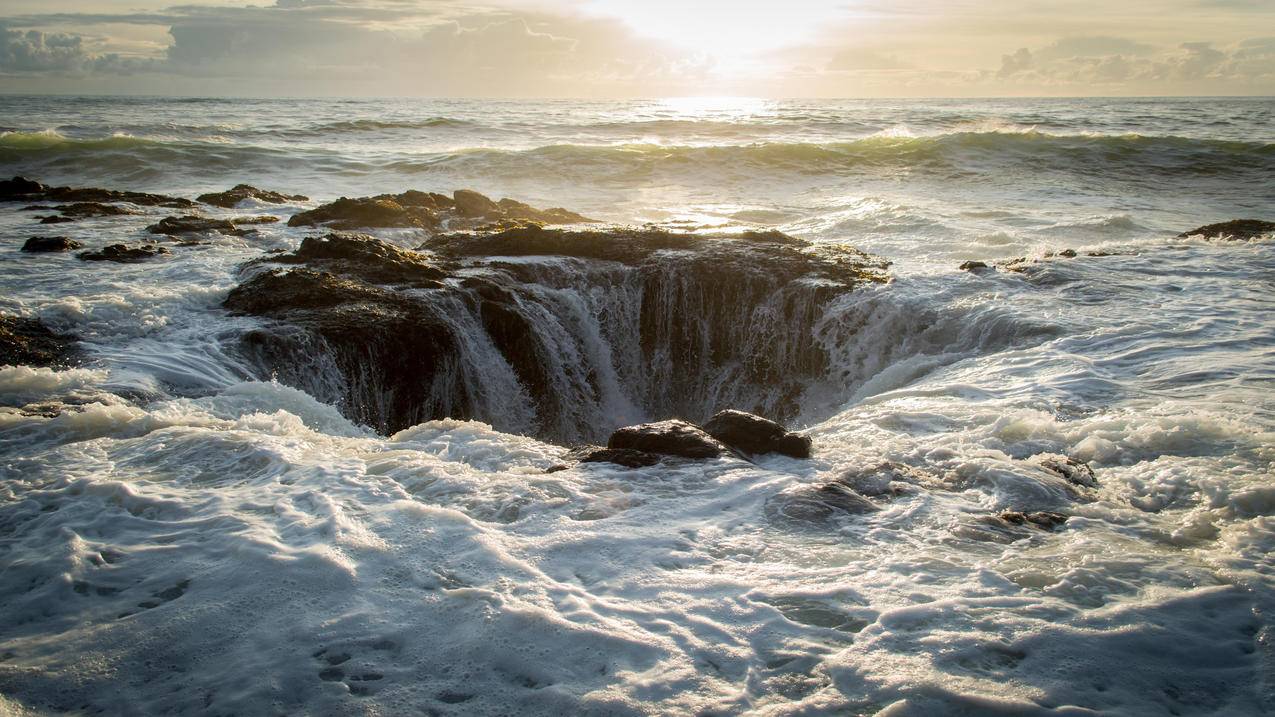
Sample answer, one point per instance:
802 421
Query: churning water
179 533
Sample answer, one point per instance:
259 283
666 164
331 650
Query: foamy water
189 536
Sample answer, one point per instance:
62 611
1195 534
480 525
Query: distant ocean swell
956 152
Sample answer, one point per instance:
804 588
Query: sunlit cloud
635 48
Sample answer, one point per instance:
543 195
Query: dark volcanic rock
124 254
50 244
754 434
27 190
467 209
812 506
626 457
1242 229
366 212
974 266
393 352
173 226
1043 519
29 342
19 187
670 438
472 204
366 258
232 197
85 210
1076 472
468 328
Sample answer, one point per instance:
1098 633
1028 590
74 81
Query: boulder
754 434
974 266
472 204
366 258
1074 471
51 244
189 224
86 210
669 438
124 254
29 342
1043 519
626 457
1242 229
241 192
19 187
367 212
465 210
23 189
815 505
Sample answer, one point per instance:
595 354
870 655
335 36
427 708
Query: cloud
854 58
33 51
381 47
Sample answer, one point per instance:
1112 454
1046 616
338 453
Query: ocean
185 528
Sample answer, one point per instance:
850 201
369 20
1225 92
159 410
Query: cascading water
569 348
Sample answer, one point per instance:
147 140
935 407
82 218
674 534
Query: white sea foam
179 534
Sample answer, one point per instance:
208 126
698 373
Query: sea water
181 534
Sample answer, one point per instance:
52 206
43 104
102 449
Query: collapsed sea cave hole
559 334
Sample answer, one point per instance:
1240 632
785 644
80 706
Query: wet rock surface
547 332
85 210
753 434
465 209
21 189
49 244
1074 471
814 506
243 192
1242 229
627 457
124 254
28 342
667 438
193 224
1043 519
975 266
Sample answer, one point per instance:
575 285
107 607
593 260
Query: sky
639 48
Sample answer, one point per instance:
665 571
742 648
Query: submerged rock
466 209
124 254
754 434
813 506
668 438
1242 229
242 192
51 244
548 332
28 342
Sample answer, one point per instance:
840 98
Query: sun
733 33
